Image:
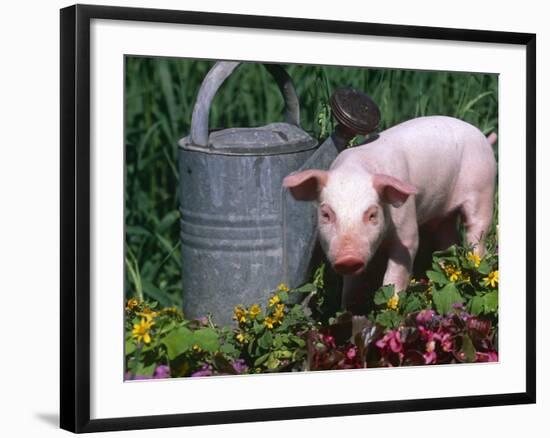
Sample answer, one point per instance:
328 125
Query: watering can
242 234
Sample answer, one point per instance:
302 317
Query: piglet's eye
326 214
371 215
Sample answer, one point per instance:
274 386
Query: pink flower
351 353
430 357
328 340
446 342
392 339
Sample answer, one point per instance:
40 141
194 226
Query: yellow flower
274 300
241 338
197 348
474 258
393 302
492 279
148 314
279 312
283 288
269 322
240 314
141 331
254 311
453 273
132 303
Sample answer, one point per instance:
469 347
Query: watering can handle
213 81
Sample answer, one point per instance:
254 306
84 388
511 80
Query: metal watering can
241 233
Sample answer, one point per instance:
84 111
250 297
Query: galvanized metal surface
272 139
239 237
232 229
214 80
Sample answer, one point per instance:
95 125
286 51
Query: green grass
160 94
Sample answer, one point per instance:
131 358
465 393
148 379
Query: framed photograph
267 218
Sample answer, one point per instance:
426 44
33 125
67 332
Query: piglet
425 171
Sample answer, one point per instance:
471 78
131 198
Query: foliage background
160 94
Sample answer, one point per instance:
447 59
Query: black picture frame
75 217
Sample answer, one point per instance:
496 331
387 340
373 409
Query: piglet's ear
306 185
392 190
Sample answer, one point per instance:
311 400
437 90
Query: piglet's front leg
402 251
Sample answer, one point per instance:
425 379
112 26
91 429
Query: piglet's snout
348 264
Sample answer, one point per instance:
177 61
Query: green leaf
136 230
462 111
170 249
229 350
167 327
476 305
266 340
283 296
130 346
319 277
484 267
491 301
178 341
257 327
445 298
447 253
207 339
150 290
437 277
412 304
283 354
297 340
145 370
486 303
306 288
250 348
279 340
468 349
272 362
167 221
261 359
383 294
389 318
